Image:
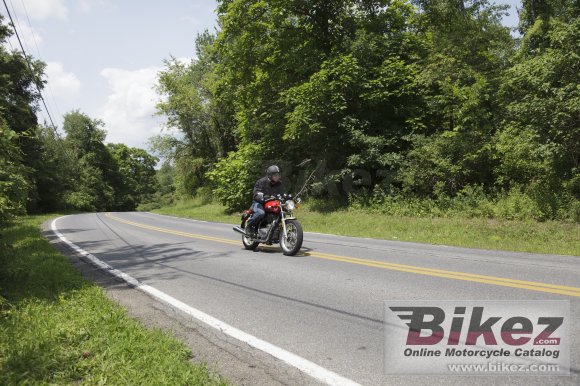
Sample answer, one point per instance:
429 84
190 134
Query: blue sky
103 55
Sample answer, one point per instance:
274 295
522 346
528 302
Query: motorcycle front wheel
292 243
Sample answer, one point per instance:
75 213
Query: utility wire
17 22
55 104
25 48
17 27
30 68
10 44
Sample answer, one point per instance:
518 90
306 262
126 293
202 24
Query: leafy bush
534 202
205 195
233 177
574 211
156 201
80 201
516 205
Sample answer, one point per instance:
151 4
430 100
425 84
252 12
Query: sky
103 56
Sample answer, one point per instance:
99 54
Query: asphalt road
327 304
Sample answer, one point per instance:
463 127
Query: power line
10 44
17 22
38 52
25 48
30 68
17 27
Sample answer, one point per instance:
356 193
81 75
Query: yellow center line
534 286
173 232
456 275
434 270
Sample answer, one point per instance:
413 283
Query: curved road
327 304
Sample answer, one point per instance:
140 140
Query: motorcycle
278 226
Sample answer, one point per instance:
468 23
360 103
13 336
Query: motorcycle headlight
290 205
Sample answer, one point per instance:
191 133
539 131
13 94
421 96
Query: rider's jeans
258 214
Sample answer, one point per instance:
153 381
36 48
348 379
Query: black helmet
272 170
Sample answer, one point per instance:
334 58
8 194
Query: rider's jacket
267 187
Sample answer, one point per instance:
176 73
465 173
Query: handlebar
282 197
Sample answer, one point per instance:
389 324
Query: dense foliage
393 102
18 145
413 100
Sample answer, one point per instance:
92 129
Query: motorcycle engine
263 231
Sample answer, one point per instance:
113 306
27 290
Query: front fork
284 225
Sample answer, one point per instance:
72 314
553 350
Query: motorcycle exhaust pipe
240 230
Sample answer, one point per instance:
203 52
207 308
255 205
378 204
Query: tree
435 95
96 171
190 106
543 10
13 184
137 171
55 171
19 95
539 144
460 76
107 177
326 80
165 176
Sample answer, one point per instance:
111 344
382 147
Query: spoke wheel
292 243
248 242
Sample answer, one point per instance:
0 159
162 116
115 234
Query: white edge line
302 364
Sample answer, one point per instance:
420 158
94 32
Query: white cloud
60 93
64 86
42 9
128 112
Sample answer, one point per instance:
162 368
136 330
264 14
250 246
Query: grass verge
552 237
57 327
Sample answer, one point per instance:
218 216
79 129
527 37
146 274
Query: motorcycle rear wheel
249 243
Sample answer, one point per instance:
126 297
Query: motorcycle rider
270 185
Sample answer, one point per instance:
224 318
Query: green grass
50 316
550 237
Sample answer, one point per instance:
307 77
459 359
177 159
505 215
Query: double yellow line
504 282
172 232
